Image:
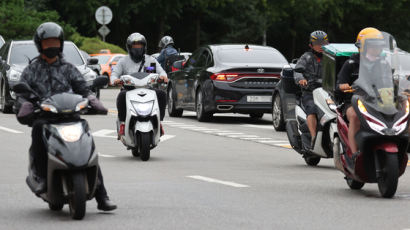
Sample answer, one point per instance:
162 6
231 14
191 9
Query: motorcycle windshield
378 62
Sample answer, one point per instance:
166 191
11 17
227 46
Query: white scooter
142 124
298 131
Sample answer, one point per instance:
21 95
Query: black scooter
72 164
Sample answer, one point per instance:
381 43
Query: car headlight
14 75
90 76
70 133
48 108
143 108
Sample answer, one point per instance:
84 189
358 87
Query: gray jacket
127 66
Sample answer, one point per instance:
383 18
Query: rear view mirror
100 82
178 64
92 61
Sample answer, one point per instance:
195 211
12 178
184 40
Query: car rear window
21 54
250 56
103 59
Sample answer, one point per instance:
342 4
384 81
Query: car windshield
102 59
21 54
251 56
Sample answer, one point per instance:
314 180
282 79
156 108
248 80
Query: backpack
169 61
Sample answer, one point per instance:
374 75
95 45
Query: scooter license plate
259 98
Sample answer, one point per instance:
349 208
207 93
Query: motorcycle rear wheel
389 179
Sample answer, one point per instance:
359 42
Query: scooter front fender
143 126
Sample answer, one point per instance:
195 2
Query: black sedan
15 57
225 79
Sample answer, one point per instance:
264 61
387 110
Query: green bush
94 45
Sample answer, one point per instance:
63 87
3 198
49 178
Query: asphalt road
231 173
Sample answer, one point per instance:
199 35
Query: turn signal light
224 77
361 106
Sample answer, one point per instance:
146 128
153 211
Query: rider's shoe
106 204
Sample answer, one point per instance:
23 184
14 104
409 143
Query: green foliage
94 45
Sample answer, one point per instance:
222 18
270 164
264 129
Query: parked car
90 60
1 41
107 62
18 54
225 79
283 102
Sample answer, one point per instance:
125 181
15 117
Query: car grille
255 83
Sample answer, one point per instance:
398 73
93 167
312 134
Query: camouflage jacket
50 79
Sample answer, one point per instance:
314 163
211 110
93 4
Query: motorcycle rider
349 73
50 74
308 68
137 61
166 44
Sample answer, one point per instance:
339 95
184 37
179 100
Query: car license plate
259 99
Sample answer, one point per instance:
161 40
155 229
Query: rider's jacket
165 53
309 68
348 74
127 66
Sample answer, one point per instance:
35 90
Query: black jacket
50 79
309 68
347 75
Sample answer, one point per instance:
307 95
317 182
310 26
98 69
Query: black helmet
318 37
136 38
48 30
165 41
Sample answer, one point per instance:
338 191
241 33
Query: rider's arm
300 68
117 71
161 57
78 83
345 75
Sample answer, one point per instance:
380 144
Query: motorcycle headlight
14 75
49 108
143 108
70 133
82 105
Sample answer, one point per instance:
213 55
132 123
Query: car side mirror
178 64
92 61
100 81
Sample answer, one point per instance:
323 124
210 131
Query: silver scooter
298 131
142 123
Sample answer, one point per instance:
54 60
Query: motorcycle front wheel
78 196
389 178
145 146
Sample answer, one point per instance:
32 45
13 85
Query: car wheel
172 109
3 102
277 114
201 115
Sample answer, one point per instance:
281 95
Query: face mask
51 52
137 54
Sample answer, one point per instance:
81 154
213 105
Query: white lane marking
255 138
105 133
272 141
212 180
242 136
260 126
9 130
106 155
166 137
228 134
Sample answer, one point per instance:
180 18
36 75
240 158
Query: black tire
135 152
354 184
172 109
201 115
145 146
311 160
3 99
277 114
55 207
389 178
256 115
78 198
106 75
